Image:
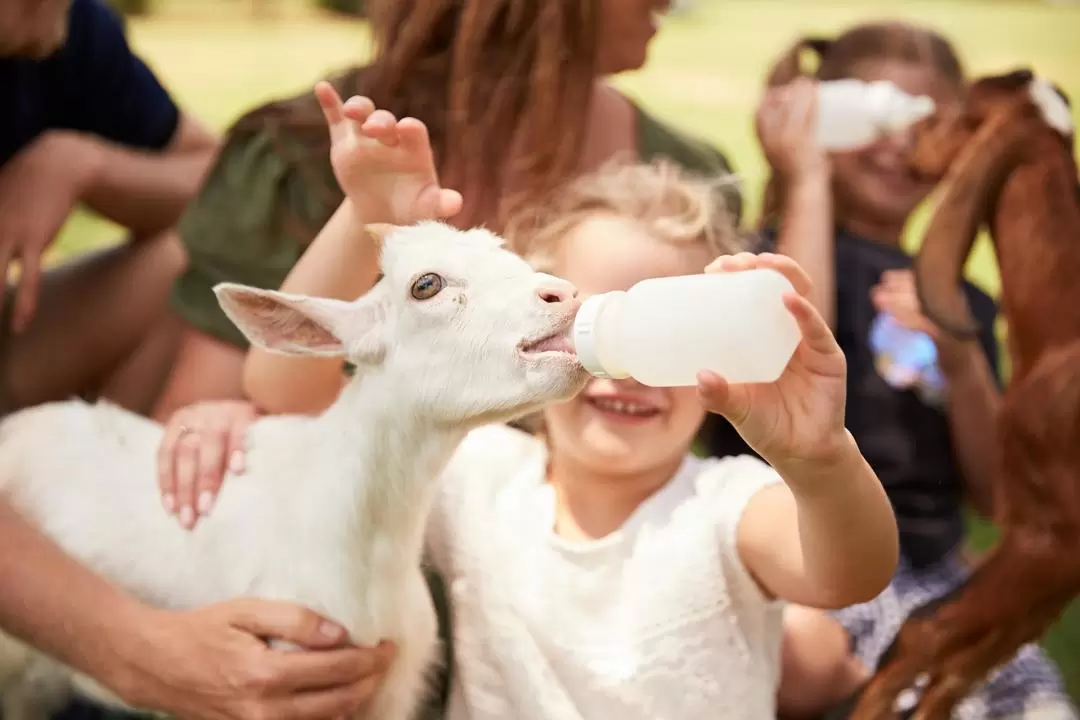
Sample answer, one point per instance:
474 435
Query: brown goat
1009 159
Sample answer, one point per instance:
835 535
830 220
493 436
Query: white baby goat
331 510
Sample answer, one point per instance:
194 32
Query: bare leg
205 368
94 312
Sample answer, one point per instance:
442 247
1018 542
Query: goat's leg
1009 601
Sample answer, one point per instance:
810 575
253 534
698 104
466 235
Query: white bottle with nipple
852 113
663 331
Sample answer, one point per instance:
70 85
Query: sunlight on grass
704 75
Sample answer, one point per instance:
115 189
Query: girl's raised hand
785 123
385 166
800 417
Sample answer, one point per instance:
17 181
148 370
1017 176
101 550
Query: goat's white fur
1055 111
331 511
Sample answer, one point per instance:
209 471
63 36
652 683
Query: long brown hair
840 57
491 79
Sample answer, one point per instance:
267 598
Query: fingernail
187 516
330 630
169 501
206 499
236 462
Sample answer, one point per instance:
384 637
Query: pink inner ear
284 324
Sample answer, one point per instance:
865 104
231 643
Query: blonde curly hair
669 203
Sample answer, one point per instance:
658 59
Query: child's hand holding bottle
829 539
785 123
800 417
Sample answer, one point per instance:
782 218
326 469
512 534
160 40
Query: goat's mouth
557 342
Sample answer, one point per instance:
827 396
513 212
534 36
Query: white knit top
658 620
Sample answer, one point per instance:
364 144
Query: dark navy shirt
92 84
903 433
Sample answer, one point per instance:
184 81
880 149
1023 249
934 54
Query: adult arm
341 263
208 663
143 191
142 158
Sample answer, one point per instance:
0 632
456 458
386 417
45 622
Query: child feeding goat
453 308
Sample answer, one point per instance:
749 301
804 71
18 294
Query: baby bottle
663 331
852 113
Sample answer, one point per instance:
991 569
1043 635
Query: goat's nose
555 290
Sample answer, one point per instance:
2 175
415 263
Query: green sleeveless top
248 223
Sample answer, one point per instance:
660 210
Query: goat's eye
427 286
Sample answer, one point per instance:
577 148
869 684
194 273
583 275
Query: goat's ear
300 325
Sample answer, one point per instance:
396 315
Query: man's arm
143 191
138 157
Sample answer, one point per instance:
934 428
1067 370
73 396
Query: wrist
839 458
129 650
813 180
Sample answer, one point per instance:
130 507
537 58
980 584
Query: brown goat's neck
1035 224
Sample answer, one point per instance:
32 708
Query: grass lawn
704 75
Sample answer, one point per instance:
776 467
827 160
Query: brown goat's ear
1016 80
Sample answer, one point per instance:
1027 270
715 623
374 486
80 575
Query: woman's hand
214 663
800 417
896 295
384 165
785 122
201 442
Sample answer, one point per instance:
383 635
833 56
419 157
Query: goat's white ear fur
1054 109
301 325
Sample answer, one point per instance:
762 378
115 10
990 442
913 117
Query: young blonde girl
605 571
926 424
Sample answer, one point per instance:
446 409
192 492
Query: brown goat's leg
982 626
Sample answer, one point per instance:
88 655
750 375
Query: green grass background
704 75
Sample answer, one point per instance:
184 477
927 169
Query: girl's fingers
789 269
732 263
332 108
413 135
187 463
721 398
816 334
358 109
213 451
166 464
382 126
781 263
450 203
238 445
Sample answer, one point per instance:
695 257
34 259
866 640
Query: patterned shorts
1027 687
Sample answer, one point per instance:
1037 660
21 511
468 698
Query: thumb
284 621
434 203
718 396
